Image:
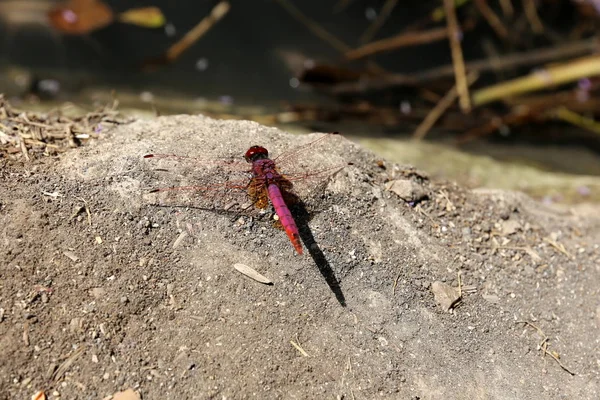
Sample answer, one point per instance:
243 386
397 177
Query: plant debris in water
26 135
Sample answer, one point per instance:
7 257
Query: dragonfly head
256 153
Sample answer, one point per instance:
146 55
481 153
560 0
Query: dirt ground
103 291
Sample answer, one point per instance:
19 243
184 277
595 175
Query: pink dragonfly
227 184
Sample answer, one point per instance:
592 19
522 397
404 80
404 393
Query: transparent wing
219 185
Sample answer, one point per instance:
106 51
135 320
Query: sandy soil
103 291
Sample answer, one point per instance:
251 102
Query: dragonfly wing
216 187
198 163
303 151
304 191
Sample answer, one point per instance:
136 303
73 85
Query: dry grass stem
559 247
575 119
314 27
543 346
402 40
64 367
87 210
454 36
439 109
532 16
216 14
395 285
584 67
492 19
300 349
372 30
507 8
510 61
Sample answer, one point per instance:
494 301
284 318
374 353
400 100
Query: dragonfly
246 187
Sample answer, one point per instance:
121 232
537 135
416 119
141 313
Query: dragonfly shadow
302 217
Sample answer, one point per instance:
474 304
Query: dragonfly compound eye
256 153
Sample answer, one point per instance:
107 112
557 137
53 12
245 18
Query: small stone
124 299
97 293
71 255
94 358
445 295
491 298
128 394
510 227
76 325
407 190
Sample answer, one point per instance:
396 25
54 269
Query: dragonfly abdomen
285 216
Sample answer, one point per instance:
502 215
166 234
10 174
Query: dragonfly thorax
264 168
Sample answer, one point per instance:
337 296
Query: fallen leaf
251 273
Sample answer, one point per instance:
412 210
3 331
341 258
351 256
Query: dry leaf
251 273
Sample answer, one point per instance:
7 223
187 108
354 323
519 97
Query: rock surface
159 308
